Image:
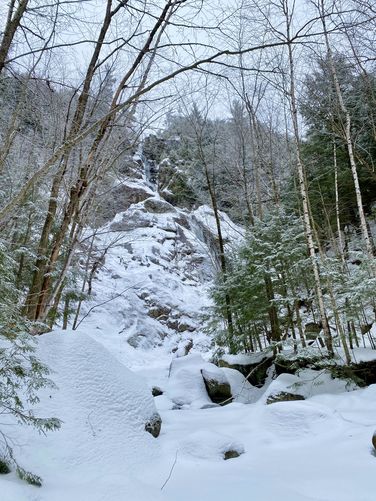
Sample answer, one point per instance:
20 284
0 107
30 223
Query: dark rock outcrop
153 426
231 454
283 396
156 391
254 369
362 373
217 386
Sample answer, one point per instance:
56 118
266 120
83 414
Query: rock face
122 197
153 425
374 439
158 206
283 396
254 367
217 386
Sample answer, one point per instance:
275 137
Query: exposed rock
312 330
153 426
283 396
183 327
374 439
4 467
159 311
146 340
217 385
362 373
365 328
156 391
122 197
138 219
158 206
290 365
254 366
231 454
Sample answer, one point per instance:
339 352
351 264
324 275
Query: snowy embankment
144 310
318 449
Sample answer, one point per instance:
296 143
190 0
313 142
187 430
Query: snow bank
104 408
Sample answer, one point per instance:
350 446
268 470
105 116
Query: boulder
287 364
158 206
363 373
217 385
253 366
4 467
312 330
242 391
153 425
127 222
231 454
283 396
158 311
156 391
184 348
186 386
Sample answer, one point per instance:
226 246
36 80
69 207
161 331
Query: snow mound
103 407
209 445
298 421
307 383
186 386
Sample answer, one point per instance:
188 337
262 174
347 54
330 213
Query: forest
187 223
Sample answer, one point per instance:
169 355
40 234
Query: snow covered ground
146 306
318 449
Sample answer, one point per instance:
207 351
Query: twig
171 470
108 301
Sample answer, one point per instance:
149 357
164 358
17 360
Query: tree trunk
304 191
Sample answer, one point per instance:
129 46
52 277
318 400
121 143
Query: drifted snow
314 450
103 407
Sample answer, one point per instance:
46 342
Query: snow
318 449
292 451
246 359
103 407
241 390
307 383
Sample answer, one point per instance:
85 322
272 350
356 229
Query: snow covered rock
283 396
158 205
306 384
253 366
186 387
104 409
242 391
211 445
153 425
195 383
217 385
374 439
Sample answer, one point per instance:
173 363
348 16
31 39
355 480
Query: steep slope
155 265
